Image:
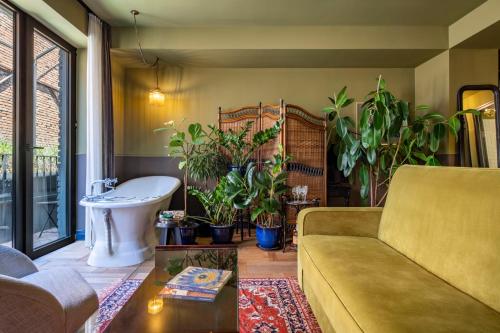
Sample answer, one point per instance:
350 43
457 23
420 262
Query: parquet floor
253 263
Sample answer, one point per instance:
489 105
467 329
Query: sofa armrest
14 263
28 308
340 221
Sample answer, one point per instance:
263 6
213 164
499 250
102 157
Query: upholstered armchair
56 300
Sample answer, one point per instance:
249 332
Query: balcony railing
43 166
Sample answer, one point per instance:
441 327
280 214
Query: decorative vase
185 233
222 234
267 238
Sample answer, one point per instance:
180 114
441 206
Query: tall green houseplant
195 151
217 204
260 189
385 138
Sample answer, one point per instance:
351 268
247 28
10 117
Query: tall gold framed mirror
479 136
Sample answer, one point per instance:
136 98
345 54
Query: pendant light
156 96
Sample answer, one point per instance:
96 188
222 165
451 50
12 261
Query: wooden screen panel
270 114
305 141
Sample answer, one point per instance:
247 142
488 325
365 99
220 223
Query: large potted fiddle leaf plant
194 149
261 191
238 148
220 212
385 138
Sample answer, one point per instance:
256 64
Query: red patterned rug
274 306
266 306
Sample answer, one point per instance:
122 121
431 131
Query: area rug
274 306
265 306
112 300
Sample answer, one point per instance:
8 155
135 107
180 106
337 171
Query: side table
297 206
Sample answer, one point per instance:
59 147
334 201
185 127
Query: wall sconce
155 305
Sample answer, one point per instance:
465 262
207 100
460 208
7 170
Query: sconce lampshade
156 97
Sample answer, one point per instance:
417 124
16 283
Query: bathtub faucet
109 183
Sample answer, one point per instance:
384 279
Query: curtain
107 104
94 163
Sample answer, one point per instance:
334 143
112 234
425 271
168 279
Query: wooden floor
253 262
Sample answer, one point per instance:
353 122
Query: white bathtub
129 237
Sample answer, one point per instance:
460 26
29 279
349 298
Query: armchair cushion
25 307
77 298
370 287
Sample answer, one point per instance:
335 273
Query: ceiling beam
472 24
291 37
66 18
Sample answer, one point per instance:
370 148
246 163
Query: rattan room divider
303 137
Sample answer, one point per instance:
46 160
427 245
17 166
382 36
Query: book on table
196 283
167 292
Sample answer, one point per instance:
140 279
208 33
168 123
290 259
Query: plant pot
204 230
185 234
267 238
222 234
238 168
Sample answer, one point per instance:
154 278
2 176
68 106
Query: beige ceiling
185 13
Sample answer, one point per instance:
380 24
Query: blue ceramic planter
186 234
267 238
240 169
222 234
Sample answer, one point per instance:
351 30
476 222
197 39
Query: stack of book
196 283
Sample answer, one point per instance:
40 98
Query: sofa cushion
77 298
448 221
384 291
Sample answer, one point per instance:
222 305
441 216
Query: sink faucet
109 183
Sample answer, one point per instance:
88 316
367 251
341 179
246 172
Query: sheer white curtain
94 168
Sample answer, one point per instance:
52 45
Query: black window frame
22 227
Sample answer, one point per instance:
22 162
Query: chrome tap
109 183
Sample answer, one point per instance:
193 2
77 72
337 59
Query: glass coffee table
145 311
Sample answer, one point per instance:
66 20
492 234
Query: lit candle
155 305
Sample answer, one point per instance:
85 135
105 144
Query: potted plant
193 150
220 212
385 138
262 191
237 146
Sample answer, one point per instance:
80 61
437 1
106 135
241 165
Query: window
36 135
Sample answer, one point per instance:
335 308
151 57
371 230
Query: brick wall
48 58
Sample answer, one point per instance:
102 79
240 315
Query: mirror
479 137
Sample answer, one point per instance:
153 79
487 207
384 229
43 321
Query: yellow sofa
429 261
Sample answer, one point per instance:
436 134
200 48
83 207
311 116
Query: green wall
194 94
438 80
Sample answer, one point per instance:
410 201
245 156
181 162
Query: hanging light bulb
156 96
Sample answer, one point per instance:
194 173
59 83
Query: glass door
37 135
48 157
7 125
